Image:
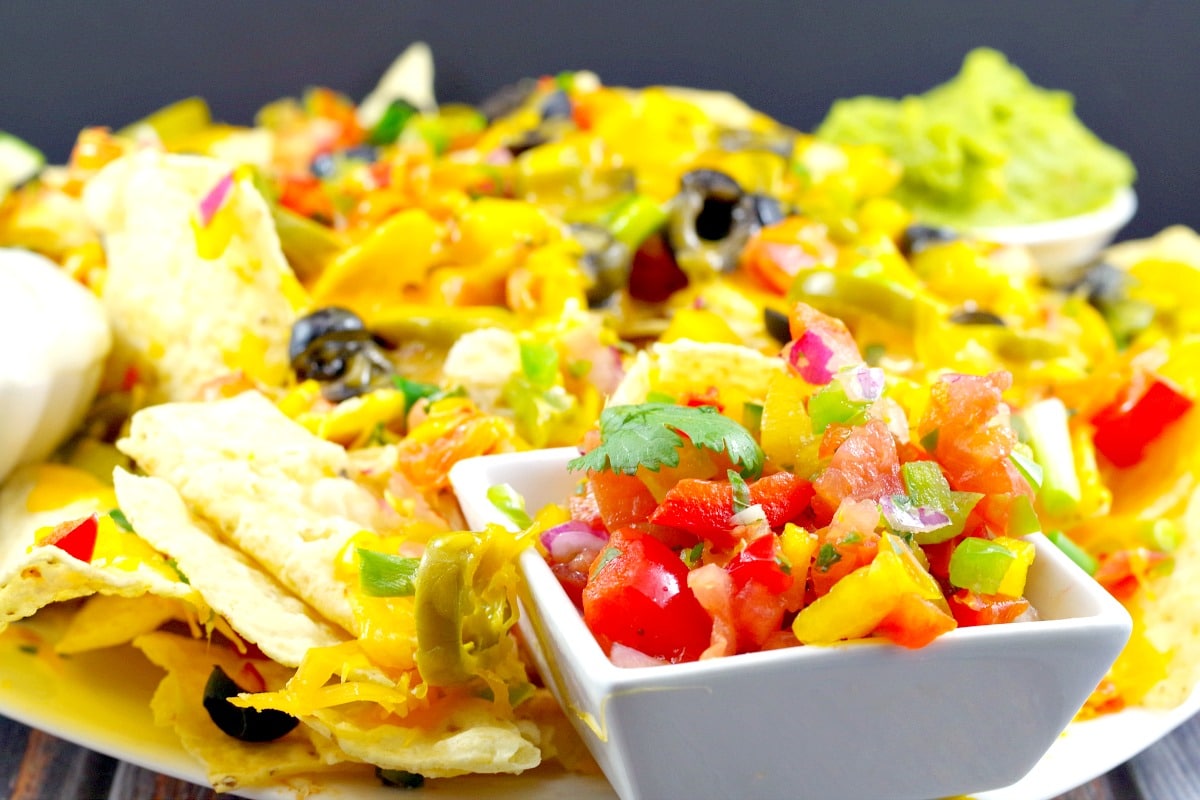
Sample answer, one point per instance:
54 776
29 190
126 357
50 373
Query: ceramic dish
55 338
846 721
1063 247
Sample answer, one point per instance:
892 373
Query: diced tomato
971 609
704 507
306 196
1001 483
915 622
757 614
713 587
583 507
864 467
759 562
783 497
939 554
961 414
621 500
1122 572
76 538
709 397
1137 418
637 594
849 542
836 433
701 507
778 253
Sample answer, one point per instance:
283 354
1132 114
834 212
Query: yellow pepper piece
787 434
857 603
699 325
377 270
927 585
492 227
798 546
1013 582
354 421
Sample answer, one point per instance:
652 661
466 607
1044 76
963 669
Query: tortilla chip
183 319
739 374
32 577
110 620
178 703
470 740
1170 611
255 605
269 487
1176 243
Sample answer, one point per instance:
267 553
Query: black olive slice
507 99
319 324
556 105
777 325
244 724
1103 283
399 778
918 237
606 261
975 316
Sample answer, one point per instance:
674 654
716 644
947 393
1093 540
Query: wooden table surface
37 766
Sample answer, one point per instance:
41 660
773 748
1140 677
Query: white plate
102 701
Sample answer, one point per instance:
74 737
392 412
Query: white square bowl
972 711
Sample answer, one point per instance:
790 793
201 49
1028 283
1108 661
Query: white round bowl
1063 247
840 722
54 337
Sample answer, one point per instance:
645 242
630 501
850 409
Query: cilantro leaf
650 435
741 492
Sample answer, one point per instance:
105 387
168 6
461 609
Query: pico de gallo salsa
836 513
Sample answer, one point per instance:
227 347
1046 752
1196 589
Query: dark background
1134 67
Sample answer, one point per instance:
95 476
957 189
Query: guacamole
986 148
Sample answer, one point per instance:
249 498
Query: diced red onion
870 382
749 515
212 202
569 539
811 355
912 519
624 656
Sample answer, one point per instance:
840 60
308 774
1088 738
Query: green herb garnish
650 435
741 492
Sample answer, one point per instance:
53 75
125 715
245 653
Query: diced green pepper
927 487
1022 519
980 565
830 404
634 219
539 363
386 575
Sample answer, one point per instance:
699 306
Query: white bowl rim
1109 217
